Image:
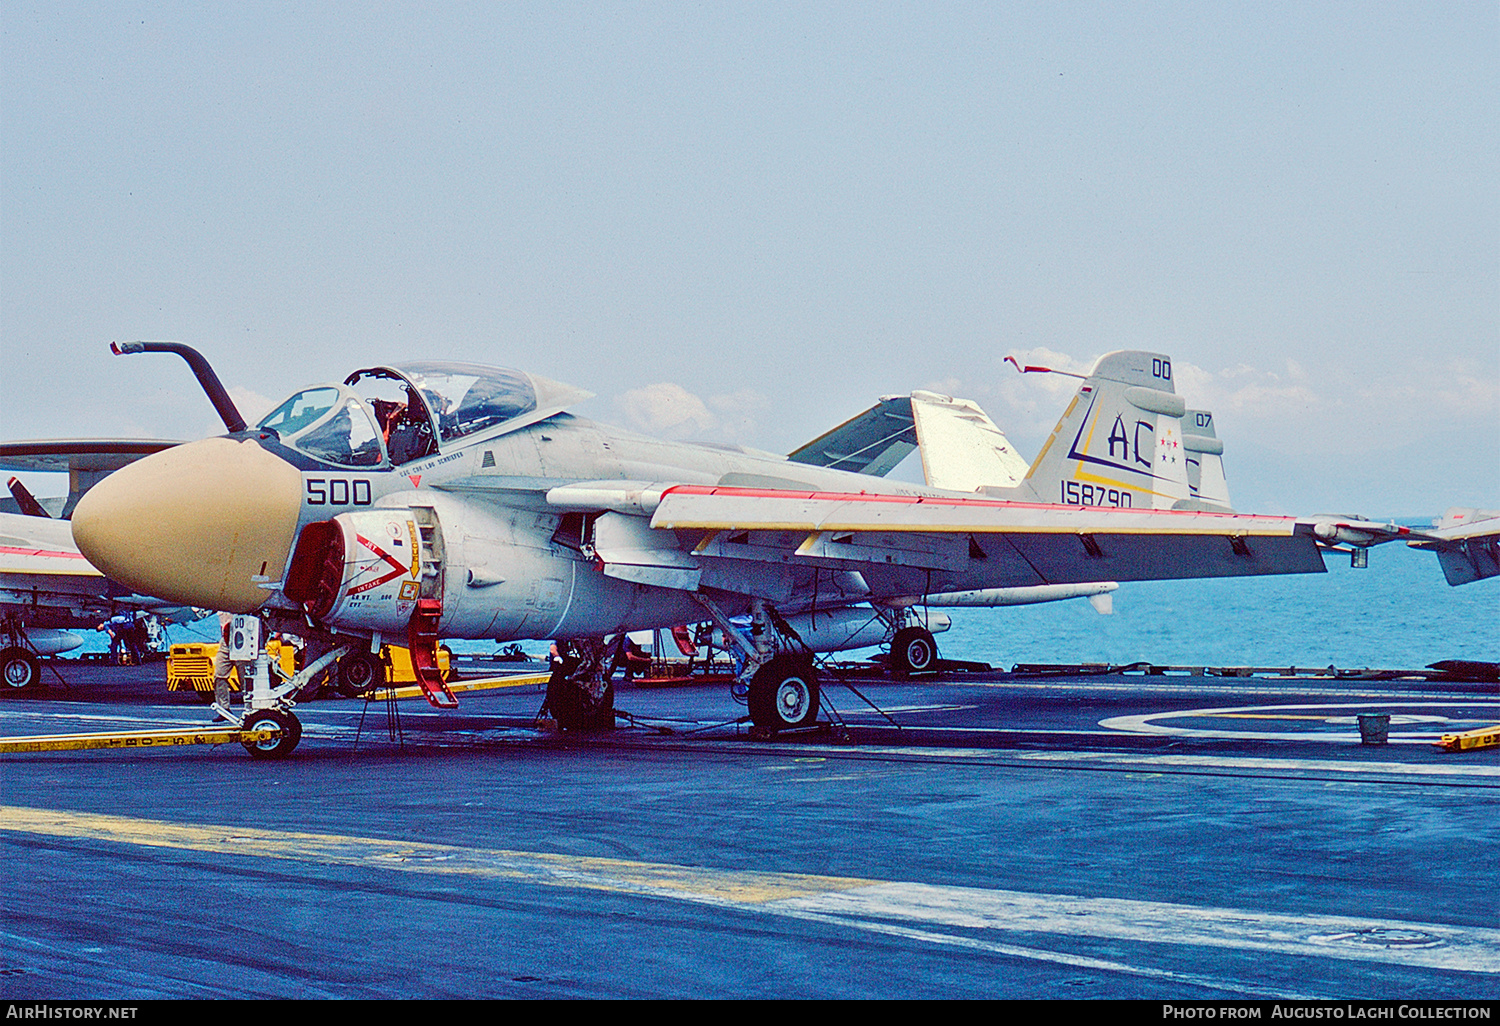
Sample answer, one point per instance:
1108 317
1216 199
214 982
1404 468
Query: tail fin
961 447
1119 442
1205 462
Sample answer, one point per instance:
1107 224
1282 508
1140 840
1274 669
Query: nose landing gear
271 734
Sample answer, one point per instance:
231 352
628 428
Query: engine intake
361 570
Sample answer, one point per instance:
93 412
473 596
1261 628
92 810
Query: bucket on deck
1374 728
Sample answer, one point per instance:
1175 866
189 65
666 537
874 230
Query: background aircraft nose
194 524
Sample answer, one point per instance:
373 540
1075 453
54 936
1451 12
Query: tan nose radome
194 524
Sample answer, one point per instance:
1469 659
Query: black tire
913 651
279 747
360 674
784 694
19 669
574 708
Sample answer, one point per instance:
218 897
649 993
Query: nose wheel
288 731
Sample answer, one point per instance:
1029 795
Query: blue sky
745 222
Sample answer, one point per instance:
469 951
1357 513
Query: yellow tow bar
1484 737
267 734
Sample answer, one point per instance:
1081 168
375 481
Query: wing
772 543
86 461
45 580
871 443
41 569
978 543
962 449
1467 543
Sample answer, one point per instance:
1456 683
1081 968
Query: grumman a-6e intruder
452 500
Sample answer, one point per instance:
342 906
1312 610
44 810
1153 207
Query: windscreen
347 438
328 424
300 410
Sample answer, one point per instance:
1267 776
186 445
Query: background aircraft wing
962 449
44 578
86 461
1467 543
871 443
903 544
46 581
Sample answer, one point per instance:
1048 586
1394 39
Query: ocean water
1399 613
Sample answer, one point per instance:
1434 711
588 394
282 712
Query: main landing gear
360 674
782 690
913 650
580 694
19 669
783 693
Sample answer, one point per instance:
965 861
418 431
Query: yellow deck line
604 874
483 684
971 917
130 739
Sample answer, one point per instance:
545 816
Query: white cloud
666 410
739 413
1245 389
252 405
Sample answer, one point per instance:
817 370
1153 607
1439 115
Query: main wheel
913 651
784 694
574 707
19 668
280 746
360 673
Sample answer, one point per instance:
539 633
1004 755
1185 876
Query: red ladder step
422 640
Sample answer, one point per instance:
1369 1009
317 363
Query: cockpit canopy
469 398
398 414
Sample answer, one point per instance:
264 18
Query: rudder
1119 442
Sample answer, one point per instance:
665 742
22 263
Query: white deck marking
973 917
1442 769
1147 723
1152 761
